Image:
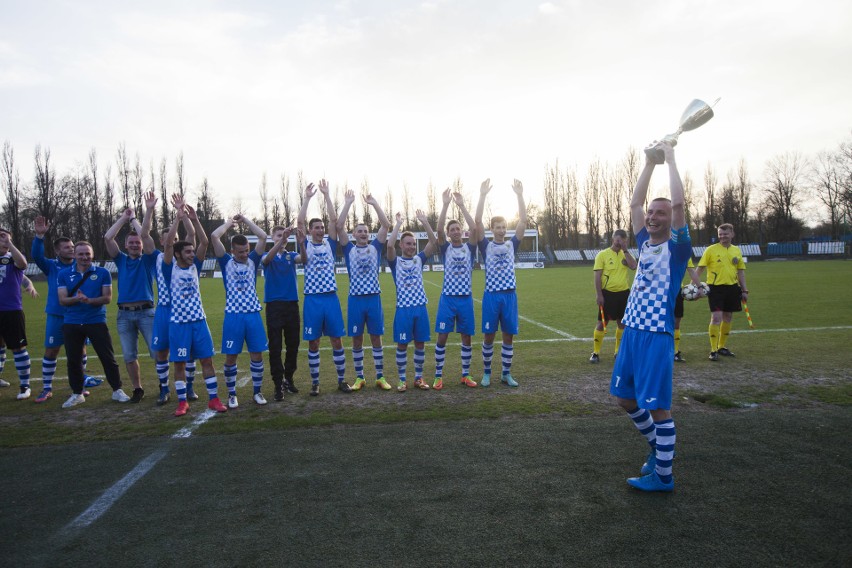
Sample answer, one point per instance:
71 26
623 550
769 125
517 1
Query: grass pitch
528 476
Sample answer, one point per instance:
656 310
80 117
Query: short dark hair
180 245
312 221
453 221
619 233
132 234
239 240
59 240
83 243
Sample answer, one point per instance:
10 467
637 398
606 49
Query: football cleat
343 386
468 382
232 401
74 400
724 351
679 358
714 356
259 399
190 394
182 408
4 383
163 398
24 394
595 358
402 387
119 395
486 380
420 384
650 463
290 387
138 395
216 404
314 389
438 383
44 396
381 383
509 380
651 482
359 383
279 391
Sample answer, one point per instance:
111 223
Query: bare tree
710 215
180 176
406 208
138 182
123 174
97 223
368 215
827 181
264 204
783 190
285 201
45 184
109 195
207 208
164 194
592 189
12 191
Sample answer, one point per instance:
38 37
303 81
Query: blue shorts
190 341
130 323
500 307
322 316
365 308
643 369
53 336
245 327
160 340
455 313
411 324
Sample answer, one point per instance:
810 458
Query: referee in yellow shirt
726 277
612 286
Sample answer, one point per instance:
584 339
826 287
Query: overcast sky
412 92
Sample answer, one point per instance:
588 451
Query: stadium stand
531 256
110 265
590 254
750 250
209 264
784 249
831 247
568 255
697 252
32 270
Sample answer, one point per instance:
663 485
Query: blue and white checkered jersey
362 263
499 264
659 273
240 282
408 277
162 287
458 267
319 267
185 292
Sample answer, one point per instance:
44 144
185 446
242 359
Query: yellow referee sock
714 338
724 331
677 340
599 337
618 333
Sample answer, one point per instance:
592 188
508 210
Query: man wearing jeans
135 292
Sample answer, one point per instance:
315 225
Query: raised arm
329 207
260 247
446 197
302 219
676 187
480 207
216 237
629 261
458 199
384 223
432 245
109 236
348 200
640 193
201 249
393 237
18 257
277 246
518 188
148 245
169 245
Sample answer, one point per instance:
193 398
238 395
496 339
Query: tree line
576 211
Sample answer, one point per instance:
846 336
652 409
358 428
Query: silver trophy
696 114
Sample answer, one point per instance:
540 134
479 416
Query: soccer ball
692 292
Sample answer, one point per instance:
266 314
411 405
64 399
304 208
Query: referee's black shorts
679 304
725 298
614 304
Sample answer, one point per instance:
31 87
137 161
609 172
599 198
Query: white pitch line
119 488
526 319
